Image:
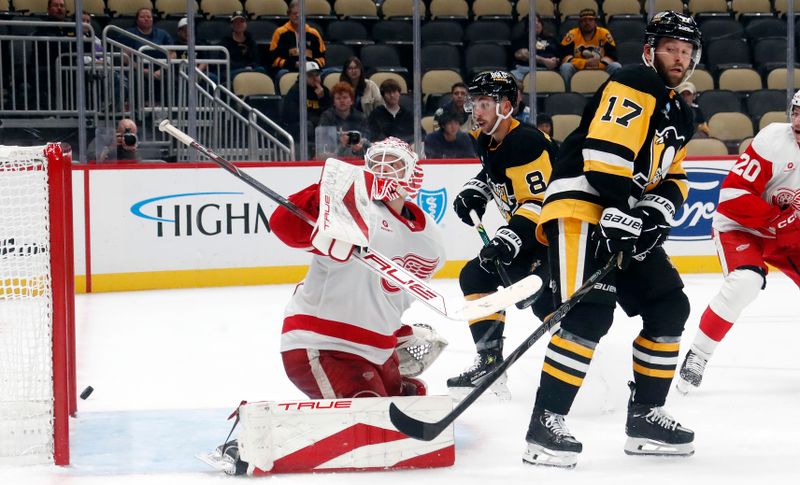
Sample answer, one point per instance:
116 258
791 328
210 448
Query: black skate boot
549 441
229 452
485 363
691 373
652 431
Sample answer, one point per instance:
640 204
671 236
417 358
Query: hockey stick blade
521 303
376 262
528 288
426 431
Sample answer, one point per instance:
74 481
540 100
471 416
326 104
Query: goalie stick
375 261
501 270
425 431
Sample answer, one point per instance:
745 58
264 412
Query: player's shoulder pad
641 78
775 141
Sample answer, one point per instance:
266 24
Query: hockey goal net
36 305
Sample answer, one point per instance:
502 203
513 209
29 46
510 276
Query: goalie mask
394 166
673 25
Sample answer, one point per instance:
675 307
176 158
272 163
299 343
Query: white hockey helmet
794 102
391 159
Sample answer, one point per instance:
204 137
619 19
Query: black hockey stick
425 431
501 270
375 261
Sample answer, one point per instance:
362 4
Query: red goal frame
59 180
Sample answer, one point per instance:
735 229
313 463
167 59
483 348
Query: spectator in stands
241 47
49 52
368 96
448 141
122 147
458 97
183 40
546 50
522 112
283 49
588 46
318 99
688 92
350 123
389 118
144 28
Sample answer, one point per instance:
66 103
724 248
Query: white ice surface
169 366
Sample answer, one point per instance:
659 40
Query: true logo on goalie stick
398 278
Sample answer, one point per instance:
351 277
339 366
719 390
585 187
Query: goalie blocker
328 435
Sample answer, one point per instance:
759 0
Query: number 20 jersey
630 144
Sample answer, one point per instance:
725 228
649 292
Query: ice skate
226 458
484 364
549 441
691 373
652 431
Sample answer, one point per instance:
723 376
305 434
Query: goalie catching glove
504 247
418 345
616 232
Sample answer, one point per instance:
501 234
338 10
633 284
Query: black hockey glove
616 233
504 247
473 197
655 230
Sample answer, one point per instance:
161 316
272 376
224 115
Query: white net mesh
26 362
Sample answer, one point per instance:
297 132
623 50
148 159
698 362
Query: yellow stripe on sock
573 347
561 375
659 347
663 374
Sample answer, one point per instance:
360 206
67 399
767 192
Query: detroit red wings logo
784 198
415 264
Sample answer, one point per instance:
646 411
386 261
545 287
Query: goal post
37 337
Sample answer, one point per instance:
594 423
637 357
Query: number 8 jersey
630 142
517 170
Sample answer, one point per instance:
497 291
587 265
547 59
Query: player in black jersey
615 189
516 164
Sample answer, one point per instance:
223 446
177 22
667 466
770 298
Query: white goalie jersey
343 306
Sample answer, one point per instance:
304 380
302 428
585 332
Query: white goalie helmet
794 102
394 164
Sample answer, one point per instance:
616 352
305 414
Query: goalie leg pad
340 435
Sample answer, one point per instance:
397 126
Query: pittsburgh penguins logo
663 149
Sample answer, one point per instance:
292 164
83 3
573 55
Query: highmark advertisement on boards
165 227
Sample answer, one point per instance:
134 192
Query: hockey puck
87 392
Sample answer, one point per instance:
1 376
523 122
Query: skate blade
499 388
538 455
684 386
646 447
216 461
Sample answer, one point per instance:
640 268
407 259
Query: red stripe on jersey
344 331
